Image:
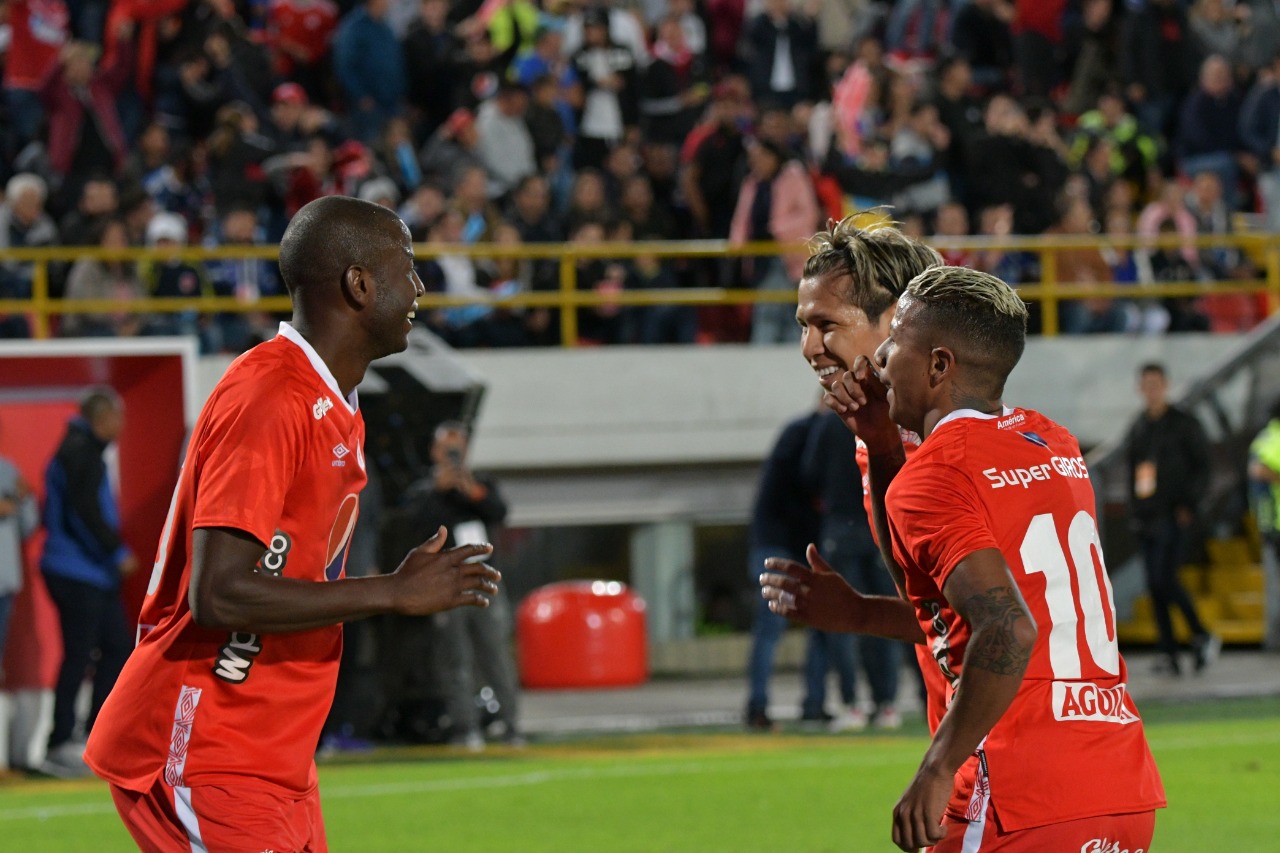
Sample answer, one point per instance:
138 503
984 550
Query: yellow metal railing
1263 249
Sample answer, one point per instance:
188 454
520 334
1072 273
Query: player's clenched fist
432 579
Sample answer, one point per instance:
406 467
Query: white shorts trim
187 816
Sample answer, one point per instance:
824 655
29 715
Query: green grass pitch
696 791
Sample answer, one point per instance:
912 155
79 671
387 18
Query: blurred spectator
658 324
103 279
512 24
83 562
1129 266
236 152
545 58
453 147
1134 154
1260 135
299 35
676 85
422 209
841 23
1215 30
780 49
475 647
84 127
546 123
1097 65
293 118
952 223
602 323
695 29
506 146
430 48
1086 267
961 113
646 216
166 276
1012 266
1038 45
913 27
589 201
38 30
471 197
713 156
1209 127
1206 202
370 68
147 164
23 224
982 36
919 148
1259 32
1168 264
609 74
19 519
725 22
247 279
454 275
1157 62
395 150
776 203
1012 165
381 191
623 29
784 520
98 202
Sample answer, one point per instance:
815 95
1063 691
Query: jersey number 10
1042 552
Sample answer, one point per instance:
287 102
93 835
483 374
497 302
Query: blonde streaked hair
877 258
979 315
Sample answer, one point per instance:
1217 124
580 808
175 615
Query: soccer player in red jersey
851 283
992 522
208 737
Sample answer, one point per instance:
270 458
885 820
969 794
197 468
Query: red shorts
220 819
1124 833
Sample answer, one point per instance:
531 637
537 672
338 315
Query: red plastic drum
582 634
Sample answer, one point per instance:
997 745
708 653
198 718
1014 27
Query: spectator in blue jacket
1260 132
84 561
369 63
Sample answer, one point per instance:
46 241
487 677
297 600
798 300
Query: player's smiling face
903 362
834 332
398 290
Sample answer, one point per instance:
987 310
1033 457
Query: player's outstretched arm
1002 634
228 593
818 597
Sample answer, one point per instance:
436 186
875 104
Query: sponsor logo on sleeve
235 659
1084 701
321 408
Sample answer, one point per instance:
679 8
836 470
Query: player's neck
344 358
959 402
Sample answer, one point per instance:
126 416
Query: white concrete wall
678 405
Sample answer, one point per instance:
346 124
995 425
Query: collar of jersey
317 363
960 414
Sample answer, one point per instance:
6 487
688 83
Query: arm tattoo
995 646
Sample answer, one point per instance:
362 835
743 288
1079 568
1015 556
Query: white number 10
1042 553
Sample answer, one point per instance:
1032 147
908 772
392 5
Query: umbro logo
321 408
339 452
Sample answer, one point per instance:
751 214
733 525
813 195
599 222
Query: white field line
613 771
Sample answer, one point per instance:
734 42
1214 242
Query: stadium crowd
210 122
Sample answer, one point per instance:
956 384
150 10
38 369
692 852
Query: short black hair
329 235
1153 367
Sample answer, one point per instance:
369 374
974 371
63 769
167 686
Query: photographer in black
470 650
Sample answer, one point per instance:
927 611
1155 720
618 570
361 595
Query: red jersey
935 685
1071 745
305 26
276 452
40 28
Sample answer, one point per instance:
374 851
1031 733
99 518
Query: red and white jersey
935 685
1071 745
276 453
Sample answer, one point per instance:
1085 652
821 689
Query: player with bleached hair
992 524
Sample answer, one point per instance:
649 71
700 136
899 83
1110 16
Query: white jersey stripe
187 815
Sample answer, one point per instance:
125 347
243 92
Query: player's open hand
917 818
432 579
813 595
861 401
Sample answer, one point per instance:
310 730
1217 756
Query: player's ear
942 364
357 286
